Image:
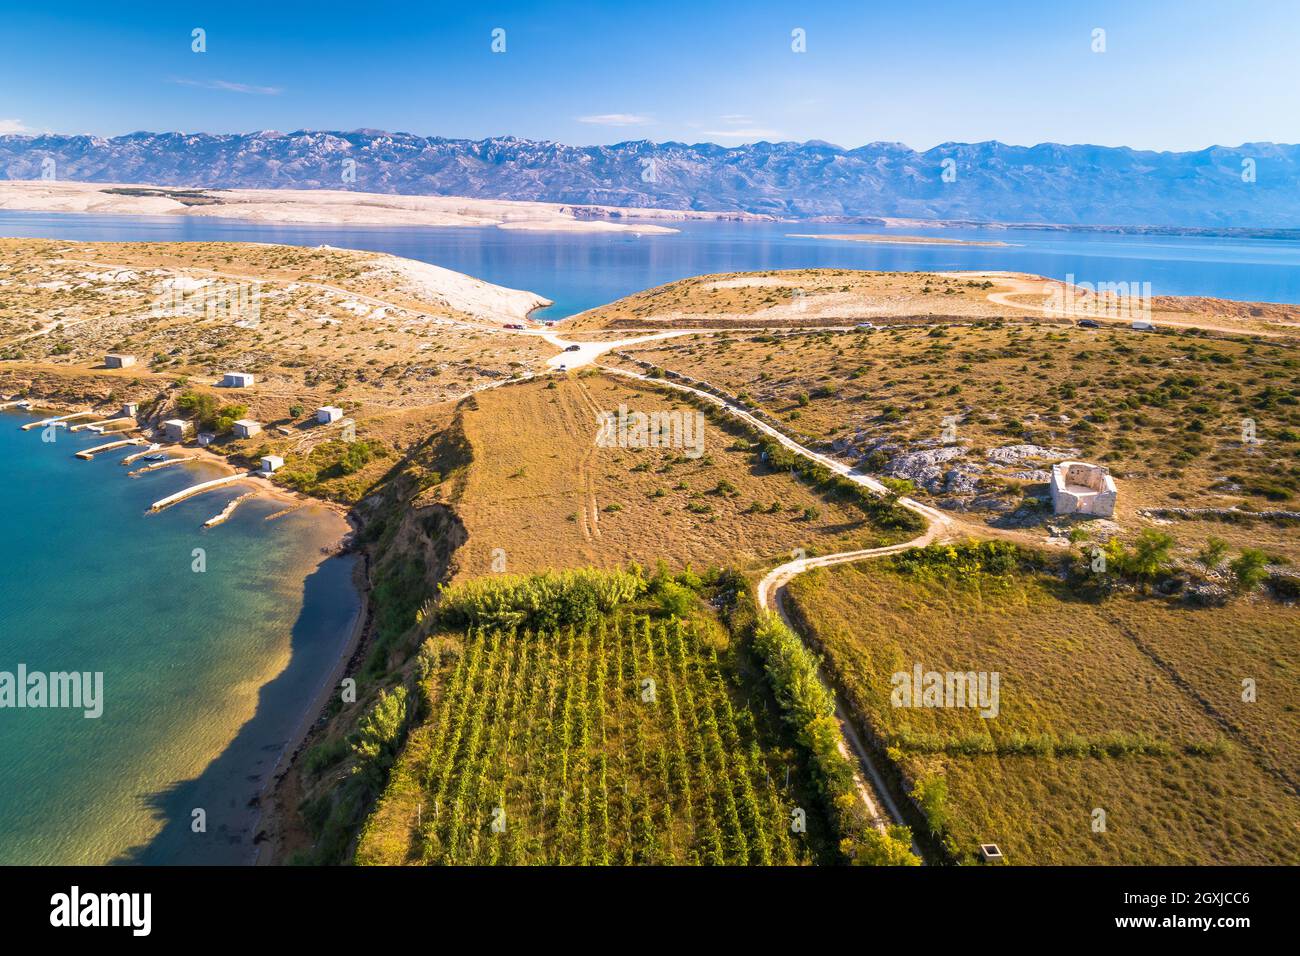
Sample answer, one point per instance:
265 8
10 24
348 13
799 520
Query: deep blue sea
207 674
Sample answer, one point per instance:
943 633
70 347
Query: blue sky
1175 74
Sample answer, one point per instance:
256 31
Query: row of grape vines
615 744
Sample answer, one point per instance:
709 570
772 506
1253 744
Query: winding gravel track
771 589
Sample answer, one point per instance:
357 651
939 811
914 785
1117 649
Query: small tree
675 599
1150 555
225 418
355 457
377 734
931 794
891 848
1249 568
1212 555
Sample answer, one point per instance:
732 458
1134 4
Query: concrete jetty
89 453
155 465
122 420
153 447
56 420
193 490
18 403
284 511
228 510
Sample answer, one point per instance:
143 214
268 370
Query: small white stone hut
176 429
1079 488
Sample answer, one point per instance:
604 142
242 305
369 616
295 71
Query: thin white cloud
230 87
8 126
741 127
744 134
616 119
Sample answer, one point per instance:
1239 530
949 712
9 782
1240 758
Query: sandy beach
271 816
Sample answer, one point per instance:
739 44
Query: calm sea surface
579 271
206 675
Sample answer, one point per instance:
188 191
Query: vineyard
614 743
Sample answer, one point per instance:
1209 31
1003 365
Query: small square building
1079 488
176 429
327 414
991 853
237 380
246 428
271 463
118 360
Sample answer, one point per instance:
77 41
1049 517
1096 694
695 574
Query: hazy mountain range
1049 183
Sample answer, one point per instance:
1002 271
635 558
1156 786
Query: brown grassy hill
1185 771
541 490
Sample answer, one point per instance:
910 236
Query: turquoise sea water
195 665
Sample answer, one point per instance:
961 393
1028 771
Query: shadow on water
228 788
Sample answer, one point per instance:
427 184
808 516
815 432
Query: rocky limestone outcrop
1014 454
925 468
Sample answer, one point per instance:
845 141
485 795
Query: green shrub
891 848
1150 555
899 486
379 733
1146 560
199 404
1249 568
325 754
1212 555
809 708
548 600
965 561
931 795
674 599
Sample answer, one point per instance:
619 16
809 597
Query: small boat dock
58 419
198 489
88 453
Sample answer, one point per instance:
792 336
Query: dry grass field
816 297
1164 411
540 489
794 297
1193 773
308 323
